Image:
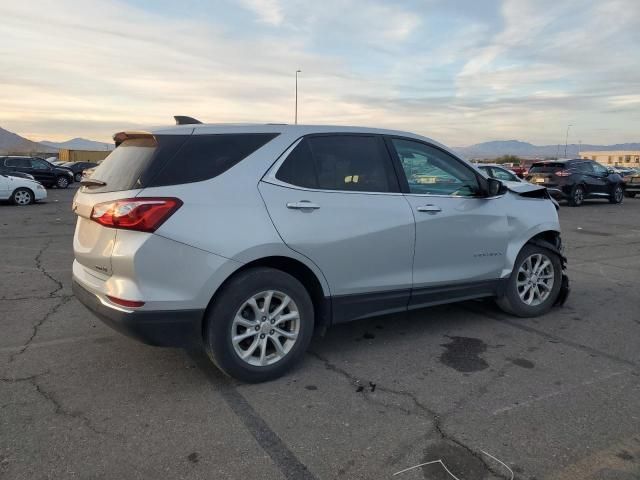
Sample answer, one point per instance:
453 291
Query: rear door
335 199
4 185
601 178
461 238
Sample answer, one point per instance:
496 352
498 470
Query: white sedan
21 191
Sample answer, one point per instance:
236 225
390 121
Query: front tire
62 182
259 325
617 195
534 284
22 197
78 176
577 196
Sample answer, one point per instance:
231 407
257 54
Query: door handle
302 205
429 208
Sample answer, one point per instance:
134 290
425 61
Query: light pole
566 139
296 118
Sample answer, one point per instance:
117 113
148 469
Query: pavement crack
40 266
419 409
60 410
63 300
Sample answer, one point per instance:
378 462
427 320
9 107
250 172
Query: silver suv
247 239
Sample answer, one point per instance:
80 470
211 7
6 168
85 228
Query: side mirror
494 187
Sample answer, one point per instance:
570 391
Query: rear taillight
140 214
562 173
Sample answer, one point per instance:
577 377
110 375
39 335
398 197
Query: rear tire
522 301
617 196
577 196
247 319
62 182
22 197
78 176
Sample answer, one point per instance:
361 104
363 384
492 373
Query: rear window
173 159
547 167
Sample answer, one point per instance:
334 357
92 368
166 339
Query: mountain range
13 143
499 148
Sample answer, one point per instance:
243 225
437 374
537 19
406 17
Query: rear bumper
167 328
632 188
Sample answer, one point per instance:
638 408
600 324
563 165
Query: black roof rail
183 120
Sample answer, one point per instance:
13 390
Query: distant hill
13 143
523 149
80 144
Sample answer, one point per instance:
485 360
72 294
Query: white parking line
558 392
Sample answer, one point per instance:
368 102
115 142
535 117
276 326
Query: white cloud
268 11
88 68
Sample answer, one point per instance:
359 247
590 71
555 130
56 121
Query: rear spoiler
122 136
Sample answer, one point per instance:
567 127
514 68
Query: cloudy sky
458 71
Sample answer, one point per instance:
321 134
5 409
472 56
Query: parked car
499 173
623 171
577 180
21 191
78 167
44 172
246 239
8 171
632 184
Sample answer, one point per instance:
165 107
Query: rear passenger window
18 162
173 159
583 167
206 156
340 162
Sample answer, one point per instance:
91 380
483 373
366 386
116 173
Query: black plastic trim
162 328
346 308
428 296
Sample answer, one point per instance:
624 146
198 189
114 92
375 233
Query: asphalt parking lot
556 397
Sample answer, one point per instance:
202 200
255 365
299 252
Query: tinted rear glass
173 160
206 156
547 167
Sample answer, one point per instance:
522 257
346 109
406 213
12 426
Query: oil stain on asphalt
463 354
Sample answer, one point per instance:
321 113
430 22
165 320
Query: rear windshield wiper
92 182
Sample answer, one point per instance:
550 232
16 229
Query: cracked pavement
555 398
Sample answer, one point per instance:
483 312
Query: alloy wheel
22 197
618 193
578 196
535 279
62 182
265 328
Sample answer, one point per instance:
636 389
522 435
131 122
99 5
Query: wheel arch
33 194
546 235
317 290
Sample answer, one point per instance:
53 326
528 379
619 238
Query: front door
461 237
42 171
335 199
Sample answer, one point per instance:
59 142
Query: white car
21 191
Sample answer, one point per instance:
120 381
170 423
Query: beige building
620 158
83 155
